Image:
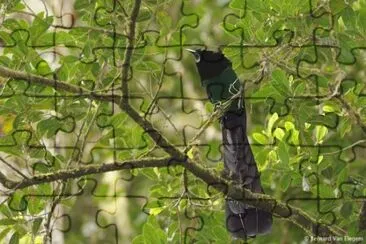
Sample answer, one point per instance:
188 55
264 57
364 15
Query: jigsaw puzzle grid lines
188 119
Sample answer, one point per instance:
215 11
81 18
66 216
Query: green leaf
220 233
283 154
82 4
152 232
262 139
190 153
39 26
4 209
36 225
19 6
299 89
342 176
209 107
261 158
267 91
320 159
26 239
289 125
337 6
138 240
326 190
35 204
272 156
349 20
17 202
346 210
320 133
43 68
156 211
49 127
271 122
280 82
237 4
345 126
118 120
7 221
13 24
294 133
4 232
144 14
14 238
285 182
330 107
279 133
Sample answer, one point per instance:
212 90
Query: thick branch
129 50
262 201
159 139
124 105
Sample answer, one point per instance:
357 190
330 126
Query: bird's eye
197 57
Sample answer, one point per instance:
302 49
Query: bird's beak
196 55
190 50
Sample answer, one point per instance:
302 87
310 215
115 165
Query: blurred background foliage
302 63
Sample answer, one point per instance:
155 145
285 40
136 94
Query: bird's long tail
242 220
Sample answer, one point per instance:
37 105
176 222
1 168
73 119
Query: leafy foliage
305 94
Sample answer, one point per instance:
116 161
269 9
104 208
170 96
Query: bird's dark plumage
219 79
211 64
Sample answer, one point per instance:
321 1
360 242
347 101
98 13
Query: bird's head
209 63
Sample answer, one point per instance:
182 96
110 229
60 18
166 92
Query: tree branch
262 201
159 139
79 92
129 50
87 170
6 182
56 84
352 112
362 218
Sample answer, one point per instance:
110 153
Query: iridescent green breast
222 87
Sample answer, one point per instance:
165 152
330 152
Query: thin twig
219 111
345 148
57 85
13 168
87 170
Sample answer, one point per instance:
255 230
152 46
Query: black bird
221 84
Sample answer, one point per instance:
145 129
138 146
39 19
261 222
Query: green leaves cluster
303 113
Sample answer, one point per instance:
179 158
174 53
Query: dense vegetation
106 133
